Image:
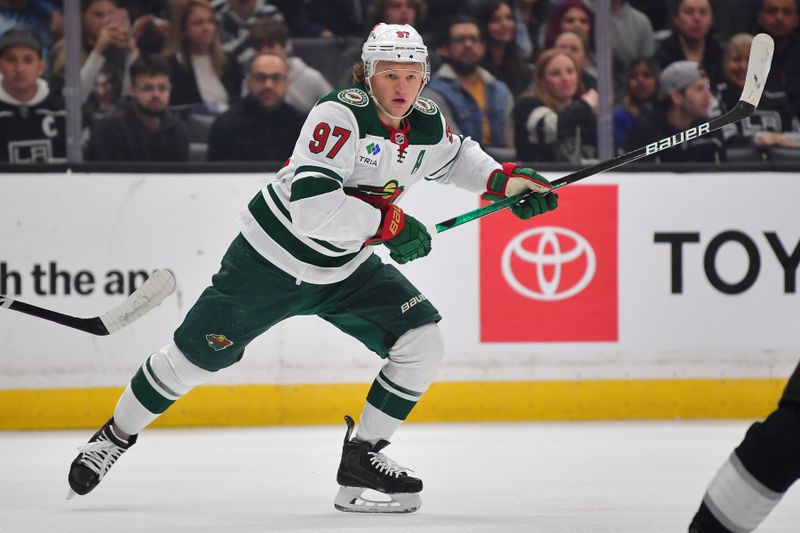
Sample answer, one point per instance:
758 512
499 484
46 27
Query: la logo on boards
552 278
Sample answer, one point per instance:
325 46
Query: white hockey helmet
394 42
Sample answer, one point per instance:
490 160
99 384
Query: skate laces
100 455
384 465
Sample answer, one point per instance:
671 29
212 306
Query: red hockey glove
404 236
513 179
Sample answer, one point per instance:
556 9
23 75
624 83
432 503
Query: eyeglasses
152 87
461 39
260 77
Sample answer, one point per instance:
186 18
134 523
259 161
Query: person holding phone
106 40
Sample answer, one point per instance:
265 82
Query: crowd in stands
232 80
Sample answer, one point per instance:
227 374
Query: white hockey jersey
312 220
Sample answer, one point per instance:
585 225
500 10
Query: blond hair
540 88
178 45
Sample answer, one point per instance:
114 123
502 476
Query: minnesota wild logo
376 195
218 342
426 106
354 96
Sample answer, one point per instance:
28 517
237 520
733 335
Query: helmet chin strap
383 109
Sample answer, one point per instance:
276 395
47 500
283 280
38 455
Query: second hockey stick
757 70
150 294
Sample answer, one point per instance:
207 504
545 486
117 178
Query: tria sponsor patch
218 342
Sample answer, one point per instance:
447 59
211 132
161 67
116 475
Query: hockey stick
757 71
153 290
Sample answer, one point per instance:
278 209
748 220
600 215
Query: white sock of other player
162 379
409 371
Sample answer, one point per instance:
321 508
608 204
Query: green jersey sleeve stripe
280 234
278 202
318 170
288 216
312 186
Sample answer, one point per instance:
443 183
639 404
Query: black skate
95 459
370 482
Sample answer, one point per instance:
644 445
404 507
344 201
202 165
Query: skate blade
71 494
361 500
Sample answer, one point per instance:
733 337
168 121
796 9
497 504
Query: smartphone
120 16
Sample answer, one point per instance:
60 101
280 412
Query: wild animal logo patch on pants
218 342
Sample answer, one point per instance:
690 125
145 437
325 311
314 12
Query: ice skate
95 459
370 482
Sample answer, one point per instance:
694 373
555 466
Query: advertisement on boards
552 279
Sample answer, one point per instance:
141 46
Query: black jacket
184 85
248 132
122 136
654 126
670 51
33 132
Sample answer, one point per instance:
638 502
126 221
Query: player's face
201 29
151 92
778 17
693 18
576 19
641 82
696 99
396 85
501 25
267 80
561 78
20 67
736 66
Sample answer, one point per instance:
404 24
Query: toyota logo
555 247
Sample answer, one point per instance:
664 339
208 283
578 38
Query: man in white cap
305 249
685 102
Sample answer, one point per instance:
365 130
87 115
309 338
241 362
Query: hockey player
32 117
305 249
758 473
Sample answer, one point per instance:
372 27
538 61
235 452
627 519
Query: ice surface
637 477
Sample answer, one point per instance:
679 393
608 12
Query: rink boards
642 296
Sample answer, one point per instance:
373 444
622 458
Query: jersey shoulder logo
426 106
354 97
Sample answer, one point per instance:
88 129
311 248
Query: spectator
685 99
773 123
631 33
570 15
107 40
503 57
641 95
397 12
32 128
202 74
306 85
261 126
236 17
143 128
691 39
556 121
150 23
531 16
577 46
779 18
473 102
337 18
39 16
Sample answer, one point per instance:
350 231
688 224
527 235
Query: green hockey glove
404 236
513 179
